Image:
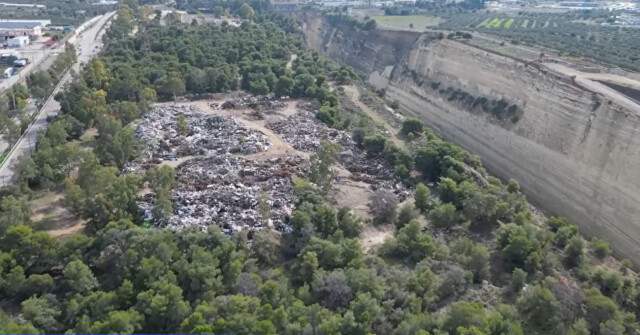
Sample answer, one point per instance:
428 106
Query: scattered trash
204 135
220 186
304 132
224 190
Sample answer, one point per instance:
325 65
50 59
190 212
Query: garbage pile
225 190
204 135
304 132
262 103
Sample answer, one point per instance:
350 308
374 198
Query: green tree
444 215
119 322
579 327
406 214
41 312
246 12
322 161
421 197
574 254
284 86
540 310
79 278
163 307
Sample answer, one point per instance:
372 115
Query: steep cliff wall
574 152
367 51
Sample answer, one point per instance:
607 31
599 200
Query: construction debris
204 135
262 103
304 132
216 185
224 190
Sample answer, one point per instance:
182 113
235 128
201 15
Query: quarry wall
574 152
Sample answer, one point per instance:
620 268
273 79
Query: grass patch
524 24
495 23
403 21
508 23
484 23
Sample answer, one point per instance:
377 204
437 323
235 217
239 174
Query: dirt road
354 95
590 81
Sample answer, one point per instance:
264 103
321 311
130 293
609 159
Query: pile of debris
304 132
225 190
204 135
262 103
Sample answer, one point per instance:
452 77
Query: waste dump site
225 166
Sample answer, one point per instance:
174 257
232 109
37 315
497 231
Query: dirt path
277 146
290 62
352 92
589 81
68 230
60 222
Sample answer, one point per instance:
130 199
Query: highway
88 44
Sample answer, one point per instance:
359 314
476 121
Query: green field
404 21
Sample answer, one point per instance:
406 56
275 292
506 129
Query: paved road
88 43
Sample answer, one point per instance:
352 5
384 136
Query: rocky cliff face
574 152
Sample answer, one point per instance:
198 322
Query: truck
8 72
19 62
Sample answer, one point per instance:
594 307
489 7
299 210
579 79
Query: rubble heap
304 132
263 103
206 134
224 190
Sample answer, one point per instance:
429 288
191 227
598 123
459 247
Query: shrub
600 247
411 126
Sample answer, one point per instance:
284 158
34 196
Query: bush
600 247
411 126
573 252
325 117
374 144
407 213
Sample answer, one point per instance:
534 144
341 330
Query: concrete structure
13 28
285 6
18 41
22 5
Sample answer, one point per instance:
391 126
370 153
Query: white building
13 28
18 41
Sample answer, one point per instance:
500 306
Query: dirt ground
372 236
59 222
353 93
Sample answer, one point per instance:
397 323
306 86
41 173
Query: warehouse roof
19 24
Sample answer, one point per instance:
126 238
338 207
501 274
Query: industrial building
18 41
13 28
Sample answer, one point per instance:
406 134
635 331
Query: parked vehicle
8 72
19 62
